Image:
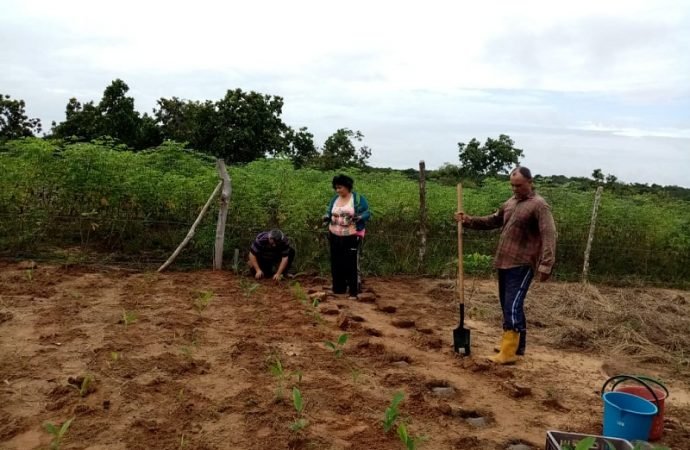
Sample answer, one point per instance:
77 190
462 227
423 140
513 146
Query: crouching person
271 255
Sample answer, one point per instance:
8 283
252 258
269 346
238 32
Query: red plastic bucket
645 391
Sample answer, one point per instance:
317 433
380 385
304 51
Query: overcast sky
579 85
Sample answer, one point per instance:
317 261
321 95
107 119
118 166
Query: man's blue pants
513 284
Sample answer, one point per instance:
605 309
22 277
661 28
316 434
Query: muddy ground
171 373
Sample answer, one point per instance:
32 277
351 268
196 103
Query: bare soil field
167 368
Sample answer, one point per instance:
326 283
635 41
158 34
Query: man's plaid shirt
528 236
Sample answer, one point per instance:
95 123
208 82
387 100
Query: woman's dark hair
344 181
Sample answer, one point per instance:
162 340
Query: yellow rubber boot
509 345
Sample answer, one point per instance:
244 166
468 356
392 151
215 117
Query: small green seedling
280 374
128 317
186 350
392 413
30 274
314 311
114 357
355 373
337 347
57 432
202 301
299 293
84 389
298 374
248 288
300 423
409 441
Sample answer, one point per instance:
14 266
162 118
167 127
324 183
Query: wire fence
90 205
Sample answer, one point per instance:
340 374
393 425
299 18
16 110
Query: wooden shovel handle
461 281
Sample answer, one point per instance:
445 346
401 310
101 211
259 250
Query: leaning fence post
423 225
222 215
590 238
191 231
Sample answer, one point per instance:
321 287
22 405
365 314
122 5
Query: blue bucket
627 416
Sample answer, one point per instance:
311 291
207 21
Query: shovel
461 335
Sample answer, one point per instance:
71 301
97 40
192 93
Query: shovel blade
461 340
461 335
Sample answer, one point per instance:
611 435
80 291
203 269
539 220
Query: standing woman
346 216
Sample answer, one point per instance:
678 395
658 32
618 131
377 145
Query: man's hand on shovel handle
462 217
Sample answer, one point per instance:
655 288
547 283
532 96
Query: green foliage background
99 200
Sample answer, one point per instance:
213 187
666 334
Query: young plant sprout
58 432
409 441
300 422
202 301
392 413
337 347
128 317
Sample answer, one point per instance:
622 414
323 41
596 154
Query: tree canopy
14 123
496 156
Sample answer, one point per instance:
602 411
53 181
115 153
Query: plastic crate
555 440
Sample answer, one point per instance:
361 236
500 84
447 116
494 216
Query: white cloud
635 132
413 76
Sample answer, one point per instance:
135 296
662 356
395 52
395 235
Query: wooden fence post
222 215
590 238
191 231
423 219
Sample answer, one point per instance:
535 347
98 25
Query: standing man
270 255
527 246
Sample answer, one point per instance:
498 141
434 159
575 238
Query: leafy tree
249 126
496 156
119 119
113 116
240 127
598 175
611 178
14 123
302 150
82 122
192 122
149 134
339 150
